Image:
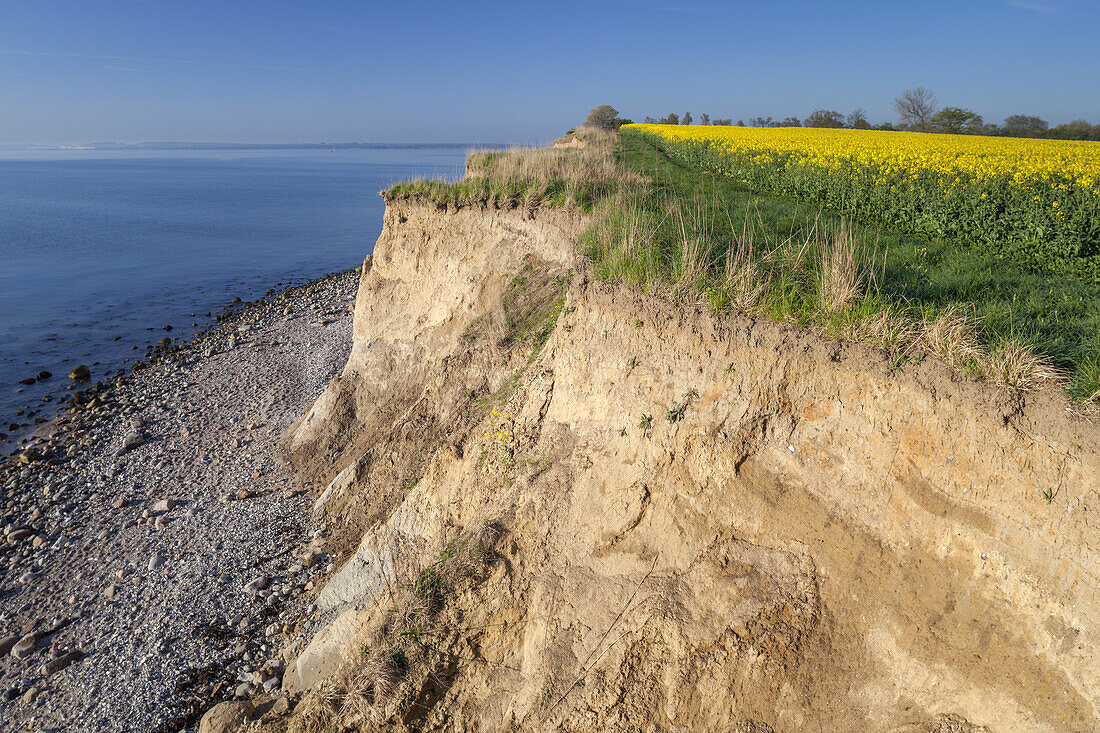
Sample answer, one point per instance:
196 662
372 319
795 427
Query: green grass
693 234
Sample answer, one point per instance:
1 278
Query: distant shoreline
168 145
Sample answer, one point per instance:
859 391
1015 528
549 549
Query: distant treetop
606 117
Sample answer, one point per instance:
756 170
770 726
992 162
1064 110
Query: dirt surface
697 522
145 606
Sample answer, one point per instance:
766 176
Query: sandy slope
698 523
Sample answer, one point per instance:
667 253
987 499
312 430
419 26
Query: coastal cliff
560 504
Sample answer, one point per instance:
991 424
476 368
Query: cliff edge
559 504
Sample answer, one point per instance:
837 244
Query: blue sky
76 71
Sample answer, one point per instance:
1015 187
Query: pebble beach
156 556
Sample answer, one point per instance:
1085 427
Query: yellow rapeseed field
1038 200
981 157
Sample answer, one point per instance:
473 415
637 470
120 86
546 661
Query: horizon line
226 145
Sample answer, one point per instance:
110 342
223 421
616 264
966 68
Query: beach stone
80 373
28 381
56 665
155 562
243 689
257 585
18 534
26 646
164 505
31 694
43 375
111 591
7 643
131 441
226 717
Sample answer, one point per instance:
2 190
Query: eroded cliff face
696 522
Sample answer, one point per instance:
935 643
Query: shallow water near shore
99 252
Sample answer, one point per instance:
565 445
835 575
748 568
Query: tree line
917 112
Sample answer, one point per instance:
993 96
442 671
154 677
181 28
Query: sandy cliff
682 521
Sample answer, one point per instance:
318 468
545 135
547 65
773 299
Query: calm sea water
98 254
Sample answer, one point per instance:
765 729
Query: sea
102 250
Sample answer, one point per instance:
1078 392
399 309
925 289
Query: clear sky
75 71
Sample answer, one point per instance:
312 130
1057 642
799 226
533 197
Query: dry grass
742 275
361 692
375 681
1017 365
953 336
887 329
531 178
840 273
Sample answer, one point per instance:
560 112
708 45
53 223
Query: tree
726 121
857 119
915 108
650 121
603 117
1076 130
740 123
760 122
956 121
1024 126
824 118
704 119
790 122
686 119
671 119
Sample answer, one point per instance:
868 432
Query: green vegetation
917 111
1033 201
692 235
606 117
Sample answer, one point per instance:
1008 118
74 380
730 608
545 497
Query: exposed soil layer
698 522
